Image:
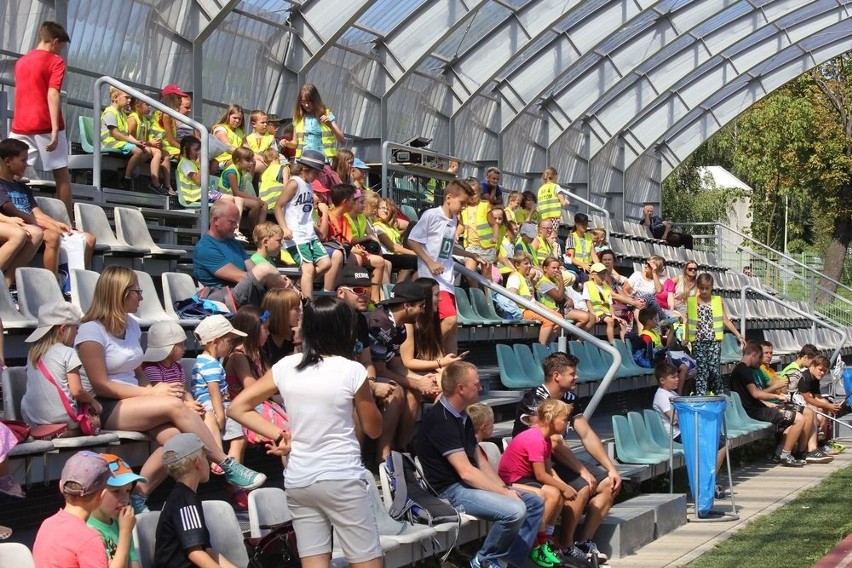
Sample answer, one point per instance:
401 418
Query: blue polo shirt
211 254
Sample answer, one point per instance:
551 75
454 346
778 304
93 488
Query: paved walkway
758 490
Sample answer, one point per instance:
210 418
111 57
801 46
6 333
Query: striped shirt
156 373
207 370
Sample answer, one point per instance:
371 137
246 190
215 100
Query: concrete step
625 530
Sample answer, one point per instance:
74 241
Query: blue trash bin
700 421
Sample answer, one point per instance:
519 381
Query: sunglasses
692 269
357 290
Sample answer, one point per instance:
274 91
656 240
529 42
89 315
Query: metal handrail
767 247
571 328
588 203
387 145
205 144
743 311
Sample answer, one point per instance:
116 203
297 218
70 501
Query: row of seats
37 287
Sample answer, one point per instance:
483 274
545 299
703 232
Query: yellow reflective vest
235 139
692 318
108 141
270 186
542 296
258 144
583 247
600 298
329 142
189 191
549 206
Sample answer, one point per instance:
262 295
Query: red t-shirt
525 449
35 73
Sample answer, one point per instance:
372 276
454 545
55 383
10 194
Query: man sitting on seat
220 260
453 466
596 487
663 229
759 405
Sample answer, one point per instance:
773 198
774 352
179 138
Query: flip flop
5 532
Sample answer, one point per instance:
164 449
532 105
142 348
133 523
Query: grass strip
797 535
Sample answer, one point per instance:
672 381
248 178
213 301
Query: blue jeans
516 521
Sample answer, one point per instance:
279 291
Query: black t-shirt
275 353
362 335
181 527
741 377
385 336
809 383
441 434
529 406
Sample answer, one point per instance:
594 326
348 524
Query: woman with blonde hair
109 348
285 312
314 125
386 228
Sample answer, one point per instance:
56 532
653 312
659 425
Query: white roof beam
318 24
211 13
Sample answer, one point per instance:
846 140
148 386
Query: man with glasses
386 335
456 468
353 287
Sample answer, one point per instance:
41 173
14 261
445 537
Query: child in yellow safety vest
273 179
706 321
598 296
480 227
115 136
519 283
553 290
654 341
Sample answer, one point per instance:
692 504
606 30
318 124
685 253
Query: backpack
414 500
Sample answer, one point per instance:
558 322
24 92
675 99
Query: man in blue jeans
457 470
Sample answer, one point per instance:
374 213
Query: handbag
272 412
90 424
275 550
20 429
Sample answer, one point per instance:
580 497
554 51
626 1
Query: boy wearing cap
209 387
294 213
182 538
598 297
64 539
433 239
580 248
114 518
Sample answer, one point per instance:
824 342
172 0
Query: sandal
5 532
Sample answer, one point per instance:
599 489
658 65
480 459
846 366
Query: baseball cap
581 218
353 274
180 446
55 313
162 337
121 472
359 164
312 159
405 292
529 230
88 470
273 118
597 267
214 327
171 89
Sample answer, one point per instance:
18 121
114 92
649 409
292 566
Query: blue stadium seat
525 357
655 427
512 374
627 447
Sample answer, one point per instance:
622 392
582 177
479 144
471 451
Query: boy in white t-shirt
433 239
667 379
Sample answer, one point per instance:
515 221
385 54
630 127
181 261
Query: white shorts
50 161
233 430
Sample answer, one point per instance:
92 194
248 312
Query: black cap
406 293
353 274
581 218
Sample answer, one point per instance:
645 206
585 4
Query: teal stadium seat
466 314
527 361
627 447
655 427
484 308
87 137
647 443
541 352
731 350
512 375
586 373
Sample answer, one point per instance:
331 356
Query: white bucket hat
57 313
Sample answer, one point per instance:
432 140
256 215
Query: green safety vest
358 225
523 287
656 340
527 248
549 206
583 247
143 127
108 141
692 318
270 186
157 128
188 189
329 142
600 298
542 296
235 139
224 188
392 233
545 249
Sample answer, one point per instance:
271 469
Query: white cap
57 313
214 327
162 337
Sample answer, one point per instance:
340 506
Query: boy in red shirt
38 117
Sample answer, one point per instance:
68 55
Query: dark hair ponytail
328 329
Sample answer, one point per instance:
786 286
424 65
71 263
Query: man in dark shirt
353 287
387 334
446 446
596 486
759 405
811 395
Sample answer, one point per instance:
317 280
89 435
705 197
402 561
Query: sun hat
214 327
597 267
162 337
122 474
53 314
312 159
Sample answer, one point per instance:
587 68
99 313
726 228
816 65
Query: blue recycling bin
700 420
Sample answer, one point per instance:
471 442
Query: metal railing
594 206
561 322
96 144
817 321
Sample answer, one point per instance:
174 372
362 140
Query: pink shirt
65 541
525 449
156 373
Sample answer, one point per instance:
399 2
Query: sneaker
240 237
542 555
139 503
240 476
789 461
573 552
719 492
158 189
9 486
836 447
127 184
475 562
817 456
591 549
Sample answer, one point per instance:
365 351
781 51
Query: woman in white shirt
326 481
108 344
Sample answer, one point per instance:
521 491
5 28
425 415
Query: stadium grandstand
247 156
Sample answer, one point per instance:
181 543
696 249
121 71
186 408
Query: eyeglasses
692 269
357 290
136 290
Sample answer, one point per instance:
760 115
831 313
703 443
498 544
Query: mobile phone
463 354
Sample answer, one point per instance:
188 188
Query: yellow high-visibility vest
692 318
542 296
270 187
583 247
329 142
235 139
108 141
600 298
549 206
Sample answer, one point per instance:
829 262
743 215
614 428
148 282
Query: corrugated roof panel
385 15
486 20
